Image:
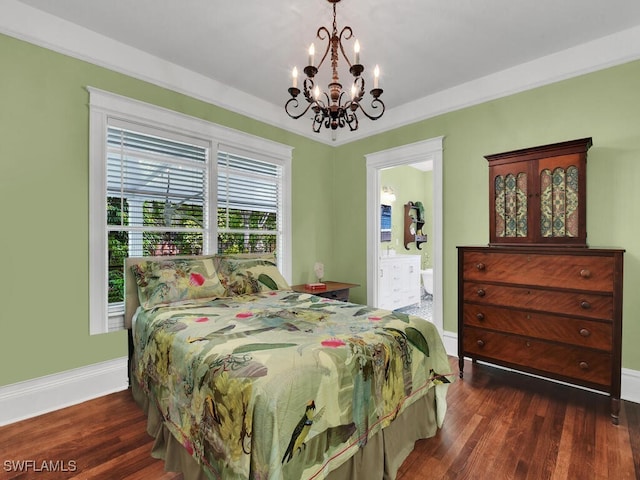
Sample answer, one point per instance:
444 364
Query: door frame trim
430 149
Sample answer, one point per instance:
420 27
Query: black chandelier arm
307 89
319 103
322 34
349 34
358 82
339 102
292 105
318 117
351 118
335 118
375 104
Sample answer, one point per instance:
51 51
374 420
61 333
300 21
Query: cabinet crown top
563 148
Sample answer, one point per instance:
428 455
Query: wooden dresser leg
615 410
461 366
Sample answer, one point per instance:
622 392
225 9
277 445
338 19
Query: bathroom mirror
385 223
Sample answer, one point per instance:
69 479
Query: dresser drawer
566 271
585 333
561 360
588 305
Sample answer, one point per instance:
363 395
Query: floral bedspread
282 384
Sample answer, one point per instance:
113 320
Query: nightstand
334 290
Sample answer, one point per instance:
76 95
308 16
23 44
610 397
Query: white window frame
105 106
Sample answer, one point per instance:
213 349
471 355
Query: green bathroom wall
604 105
44 188
409 185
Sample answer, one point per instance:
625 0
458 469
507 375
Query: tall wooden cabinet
537 299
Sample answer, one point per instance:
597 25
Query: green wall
44 192
604 105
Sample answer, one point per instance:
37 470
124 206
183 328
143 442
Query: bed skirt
381 457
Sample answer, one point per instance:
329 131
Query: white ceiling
424 47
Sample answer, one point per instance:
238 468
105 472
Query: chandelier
334 109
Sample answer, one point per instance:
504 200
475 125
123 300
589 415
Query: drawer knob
584 365
480 343
584 273
586 305
584 332
481 292
480 266
480 316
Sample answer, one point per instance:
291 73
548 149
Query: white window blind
157 190
250 203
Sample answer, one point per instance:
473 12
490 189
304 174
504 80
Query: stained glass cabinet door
537 196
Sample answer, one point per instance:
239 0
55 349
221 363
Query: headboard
131 300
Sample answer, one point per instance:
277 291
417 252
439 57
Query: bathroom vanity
399 281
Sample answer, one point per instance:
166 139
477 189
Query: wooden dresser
550 311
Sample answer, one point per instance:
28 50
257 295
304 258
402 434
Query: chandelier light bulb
376 76
356 51
312 53
294 75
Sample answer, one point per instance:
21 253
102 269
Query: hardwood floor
505 425
499 425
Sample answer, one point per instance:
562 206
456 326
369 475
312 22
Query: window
156 201
248 205
166 184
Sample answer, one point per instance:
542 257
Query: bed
241 377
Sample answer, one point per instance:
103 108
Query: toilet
427 280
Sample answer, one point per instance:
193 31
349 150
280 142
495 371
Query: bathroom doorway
425 153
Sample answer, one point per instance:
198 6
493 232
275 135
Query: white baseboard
30 398
450 340
630 383
45 394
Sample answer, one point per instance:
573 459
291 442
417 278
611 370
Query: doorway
427 150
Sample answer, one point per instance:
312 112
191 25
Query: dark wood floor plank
631 412
499 424
533 429
547 445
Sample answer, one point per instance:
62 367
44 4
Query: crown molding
599 54
45 30
34 26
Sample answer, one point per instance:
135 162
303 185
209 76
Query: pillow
246 273
161 282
